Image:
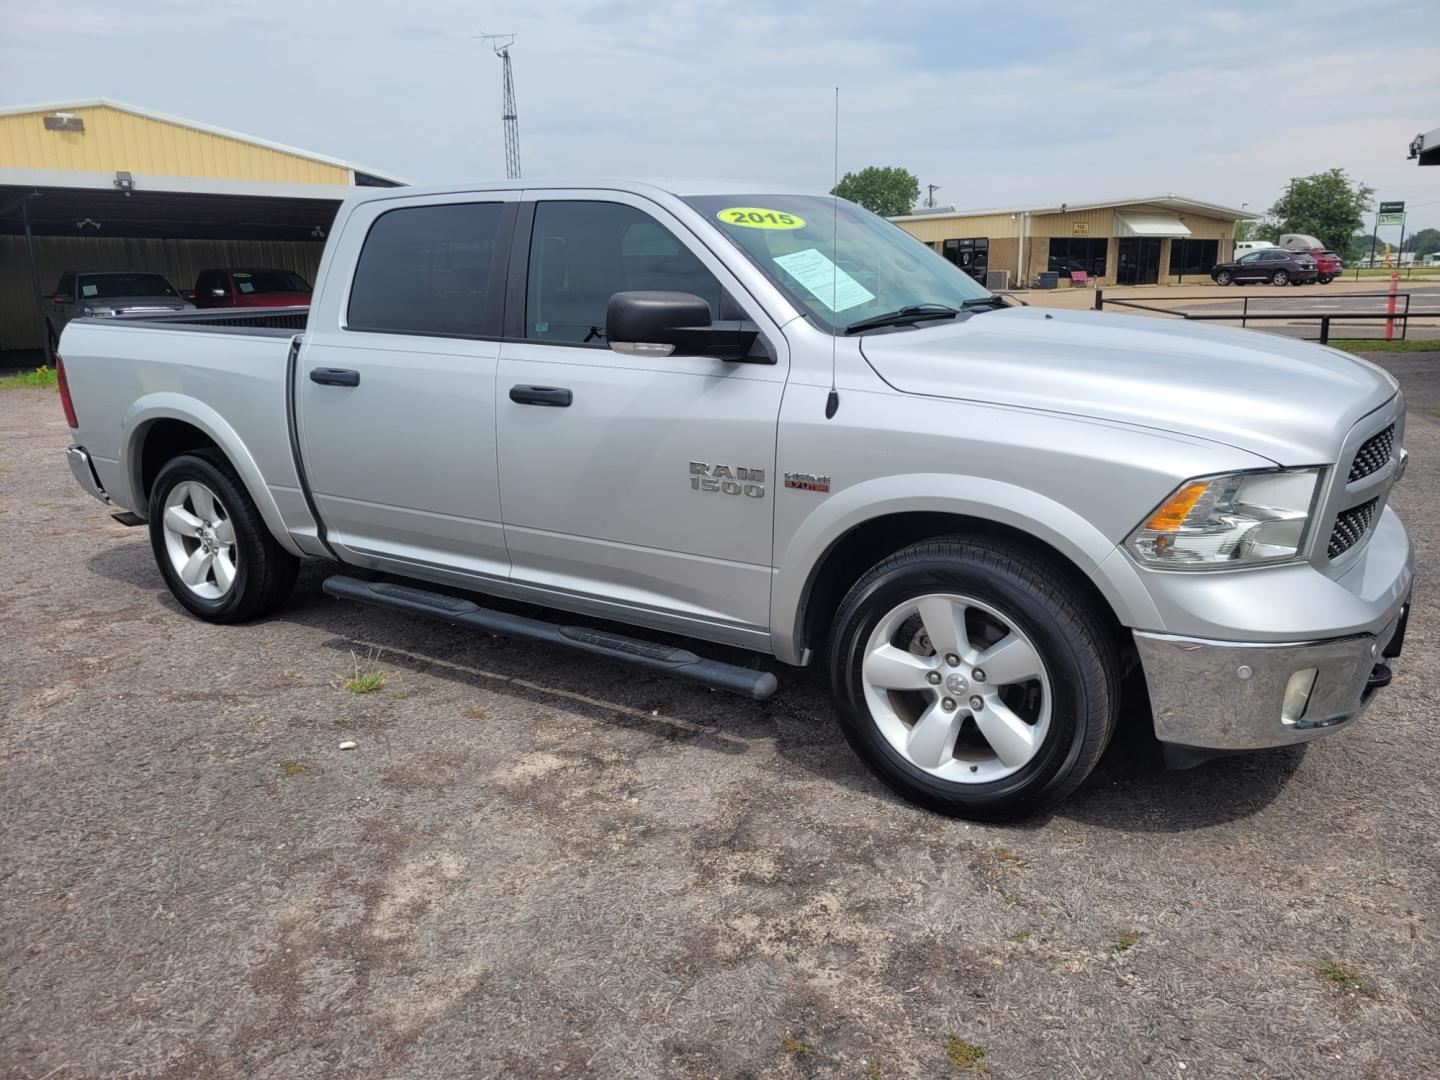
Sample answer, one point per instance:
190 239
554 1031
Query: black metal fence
1245 316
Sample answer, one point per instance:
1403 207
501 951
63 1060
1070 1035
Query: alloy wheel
199 539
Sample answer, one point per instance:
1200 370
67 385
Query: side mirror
678 324
59 298
218 292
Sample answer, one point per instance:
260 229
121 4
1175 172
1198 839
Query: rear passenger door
396 385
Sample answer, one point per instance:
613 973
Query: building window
1197 257
1068 254
971 255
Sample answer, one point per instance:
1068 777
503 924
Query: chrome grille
1373 454
1350 526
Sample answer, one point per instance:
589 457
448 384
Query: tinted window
1068 254
1193 256
105 286
425 270
269 281
583 253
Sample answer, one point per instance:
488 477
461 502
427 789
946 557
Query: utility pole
930 202
1290 205
509 117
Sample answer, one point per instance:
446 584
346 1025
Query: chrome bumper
1227 695
84 472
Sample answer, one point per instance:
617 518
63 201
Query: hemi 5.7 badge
807 481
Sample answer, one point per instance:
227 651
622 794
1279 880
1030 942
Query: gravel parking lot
533 864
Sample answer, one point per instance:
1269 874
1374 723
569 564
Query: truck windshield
871 269
109 286
269 281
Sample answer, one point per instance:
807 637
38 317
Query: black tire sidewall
1047 624
248 548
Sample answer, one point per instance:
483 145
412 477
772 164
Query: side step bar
746 682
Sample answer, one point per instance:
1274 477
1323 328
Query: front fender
168 405
947 493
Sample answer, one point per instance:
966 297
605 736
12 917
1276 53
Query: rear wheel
213 548
1280 277
973 679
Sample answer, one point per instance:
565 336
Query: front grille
1373 454
1350 526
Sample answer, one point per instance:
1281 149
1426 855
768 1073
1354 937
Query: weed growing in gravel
1003 854
364 680
1126 939
1021 936
294 768
1345 977
792 1045
42 377
872 1071
964 1055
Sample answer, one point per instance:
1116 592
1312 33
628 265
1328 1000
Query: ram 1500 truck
772 420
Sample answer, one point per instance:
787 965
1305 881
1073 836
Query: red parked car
251 288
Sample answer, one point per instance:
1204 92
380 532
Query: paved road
539 865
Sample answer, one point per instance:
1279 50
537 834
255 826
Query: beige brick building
1144 241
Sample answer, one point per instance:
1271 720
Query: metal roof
194 125
1170 201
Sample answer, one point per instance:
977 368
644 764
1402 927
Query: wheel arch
827 556
159 427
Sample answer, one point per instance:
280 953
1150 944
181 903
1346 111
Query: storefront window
1192 256
971 255
1068 254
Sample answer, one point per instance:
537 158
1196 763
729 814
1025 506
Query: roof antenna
832 402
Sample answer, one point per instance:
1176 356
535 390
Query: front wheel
1280 277
973 678
1223 278
213 548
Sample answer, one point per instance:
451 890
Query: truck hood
1287 400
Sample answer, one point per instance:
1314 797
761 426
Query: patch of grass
363 680
1126 939
1345 977
1434 411
41 378
964 1055
1021 936
1004 854
794 1046
1364 345
293 768
872 1071
477 714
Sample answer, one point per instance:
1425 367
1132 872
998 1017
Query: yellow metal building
101 185
1140 241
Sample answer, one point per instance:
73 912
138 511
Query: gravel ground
538 865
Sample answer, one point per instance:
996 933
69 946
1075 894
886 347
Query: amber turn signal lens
1172 515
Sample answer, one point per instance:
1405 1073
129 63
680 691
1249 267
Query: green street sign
1390 219
1392 207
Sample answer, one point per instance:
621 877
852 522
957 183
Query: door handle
557 397
335 376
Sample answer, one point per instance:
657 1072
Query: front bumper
1227 696
84 472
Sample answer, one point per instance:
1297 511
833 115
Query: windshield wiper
978 301
910 313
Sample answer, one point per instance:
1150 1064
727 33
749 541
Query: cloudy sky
998 103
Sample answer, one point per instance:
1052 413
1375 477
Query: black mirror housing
678 324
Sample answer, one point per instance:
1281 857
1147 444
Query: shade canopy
1158 225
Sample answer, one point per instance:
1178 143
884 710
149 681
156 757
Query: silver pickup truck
772 420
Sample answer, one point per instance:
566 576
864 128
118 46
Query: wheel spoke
889 668
932 740
196 567
1011 738
944 621
180 520
224 570
1012 659
225 532
202 501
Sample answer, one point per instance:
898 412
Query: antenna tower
508 115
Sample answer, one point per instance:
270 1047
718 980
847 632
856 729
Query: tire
1223 278
1280 277
54 337
1325 279
1010 598
197 503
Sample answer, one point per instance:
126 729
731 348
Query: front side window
583 253
425 270
835 261
109 286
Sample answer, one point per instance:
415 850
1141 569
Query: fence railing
1402 314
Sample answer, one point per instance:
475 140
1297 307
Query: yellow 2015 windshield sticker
757 217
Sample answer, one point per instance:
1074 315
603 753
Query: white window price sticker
830 285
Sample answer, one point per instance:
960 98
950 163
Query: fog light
1297 695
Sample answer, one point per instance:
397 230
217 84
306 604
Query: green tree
1424 242
1246 230
885 190
1328 205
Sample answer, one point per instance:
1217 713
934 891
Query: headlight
1222 522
